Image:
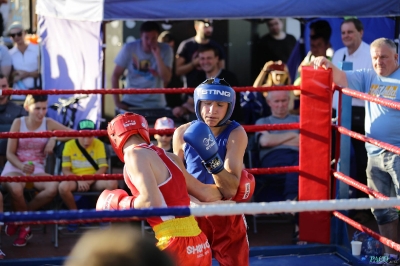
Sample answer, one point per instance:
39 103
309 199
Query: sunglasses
12 35
167 135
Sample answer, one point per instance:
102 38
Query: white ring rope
292 206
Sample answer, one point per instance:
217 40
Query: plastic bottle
29 185
374 247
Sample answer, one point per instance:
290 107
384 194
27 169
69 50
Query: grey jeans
383 175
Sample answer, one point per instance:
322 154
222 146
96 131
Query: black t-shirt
233 81
174 99
10 111
188 50
270 49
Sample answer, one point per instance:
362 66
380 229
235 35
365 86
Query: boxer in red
158 179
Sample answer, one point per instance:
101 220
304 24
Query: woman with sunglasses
25 60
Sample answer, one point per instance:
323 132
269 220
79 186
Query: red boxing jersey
174 189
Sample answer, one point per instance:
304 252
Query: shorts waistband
178 227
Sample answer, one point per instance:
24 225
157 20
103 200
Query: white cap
15 25
164 123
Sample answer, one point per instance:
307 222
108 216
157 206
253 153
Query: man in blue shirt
381 123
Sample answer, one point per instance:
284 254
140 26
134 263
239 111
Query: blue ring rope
91 214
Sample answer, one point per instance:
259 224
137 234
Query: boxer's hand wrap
246 187
117 199
214 166
200 137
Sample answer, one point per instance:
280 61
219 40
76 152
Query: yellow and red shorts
184 241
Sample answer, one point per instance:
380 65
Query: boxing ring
322 212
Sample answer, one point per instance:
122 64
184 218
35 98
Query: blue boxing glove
200 137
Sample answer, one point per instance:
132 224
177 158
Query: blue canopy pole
345 141
339 235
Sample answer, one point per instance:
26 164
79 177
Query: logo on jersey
216 92
200 248
129 123
386 91
209 142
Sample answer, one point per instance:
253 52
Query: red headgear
122 127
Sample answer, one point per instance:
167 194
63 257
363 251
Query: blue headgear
214 89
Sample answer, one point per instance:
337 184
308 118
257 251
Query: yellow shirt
73 157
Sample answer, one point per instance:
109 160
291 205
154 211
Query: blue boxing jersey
193 160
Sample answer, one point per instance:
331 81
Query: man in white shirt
357 52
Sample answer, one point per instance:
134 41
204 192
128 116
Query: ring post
315 151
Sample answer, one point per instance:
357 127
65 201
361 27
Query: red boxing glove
117 199
246 187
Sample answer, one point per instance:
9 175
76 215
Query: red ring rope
152 131
361 137
46 178
365 229
58 178
370 98
350 181
137 91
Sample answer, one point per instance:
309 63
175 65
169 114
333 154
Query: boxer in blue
212 148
